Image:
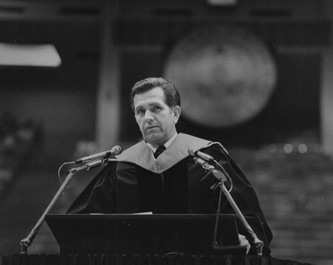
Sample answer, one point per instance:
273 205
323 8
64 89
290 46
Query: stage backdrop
236 86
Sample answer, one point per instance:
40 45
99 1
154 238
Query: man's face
156 120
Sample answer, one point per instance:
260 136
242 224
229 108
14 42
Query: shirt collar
166 145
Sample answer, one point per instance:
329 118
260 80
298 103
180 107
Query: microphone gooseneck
116 150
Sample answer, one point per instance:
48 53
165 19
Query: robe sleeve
99 196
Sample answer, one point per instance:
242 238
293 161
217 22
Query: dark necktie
159 151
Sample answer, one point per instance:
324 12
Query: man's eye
139 111
156 108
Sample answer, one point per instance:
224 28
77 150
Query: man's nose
148 115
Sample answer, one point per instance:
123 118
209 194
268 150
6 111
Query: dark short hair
171 94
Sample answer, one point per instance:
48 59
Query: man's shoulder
200 143
190 137
191 140
134 150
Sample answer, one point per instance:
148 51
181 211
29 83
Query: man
170 181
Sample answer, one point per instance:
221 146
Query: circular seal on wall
225 75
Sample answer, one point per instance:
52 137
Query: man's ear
176 113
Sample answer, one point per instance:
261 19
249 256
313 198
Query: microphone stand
257 242
26 242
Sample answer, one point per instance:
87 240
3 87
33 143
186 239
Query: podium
145 234
118 239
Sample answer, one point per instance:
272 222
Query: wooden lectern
159 239
145 234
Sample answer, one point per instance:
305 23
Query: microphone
194 152
116 150
205 165
219 175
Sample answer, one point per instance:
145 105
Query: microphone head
117 150
219 175
192 151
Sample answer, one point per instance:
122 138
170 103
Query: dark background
63 100
46 114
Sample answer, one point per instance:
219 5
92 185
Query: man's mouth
151 128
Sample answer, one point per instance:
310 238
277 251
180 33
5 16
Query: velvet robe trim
141 155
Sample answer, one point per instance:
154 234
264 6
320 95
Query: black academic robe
172 183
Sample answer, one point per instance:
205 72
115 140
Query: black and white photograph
166 132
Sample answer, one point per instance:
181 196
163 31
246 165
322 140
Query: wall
65 117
